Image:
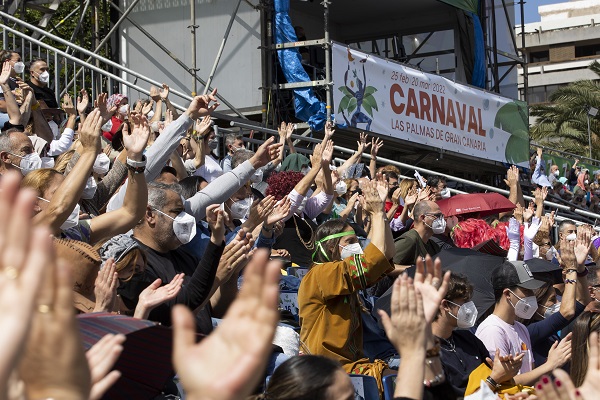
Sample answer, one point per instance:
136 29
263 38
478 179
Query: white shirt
211 169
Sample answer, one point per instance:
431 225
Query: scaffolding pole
326 4
524 55
222 47
193 28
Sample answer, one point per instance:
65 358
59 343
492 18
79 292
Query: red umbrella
145 363
482 203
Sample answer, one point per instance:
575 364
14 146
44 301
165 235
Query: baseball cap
514 273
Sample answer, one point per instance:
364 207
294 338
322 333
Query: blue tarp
478 78
307 106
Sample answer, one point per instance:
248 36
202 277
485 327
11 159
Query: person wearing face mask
438 187
120 104
554 174
165 227
211 169
328 295
514 286
233 143
39 76
17 153
58 196
18 67
461 351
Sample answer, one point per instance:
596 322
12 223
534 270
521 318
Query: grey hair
241 156
230 138
592 277
5 143
157 194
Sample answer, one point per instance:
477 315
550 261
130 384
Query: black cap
514 273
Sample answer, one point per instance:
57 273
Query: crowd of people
108 208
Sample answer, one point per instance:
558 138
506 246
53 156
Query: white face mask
556 173
257 176
107 126
525 307
150 115
553 309
47 162
341 188
90 188
240 209
586 182
305 170
29 162
438 226
467 315
19 67
445 193
124 109
350 250
184 226
54 129
44 77
571 237
155 126
102 164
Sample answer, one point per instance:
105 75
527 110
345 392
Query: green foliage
563 123
348 103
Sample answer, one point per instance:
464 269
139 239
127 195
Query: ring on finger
11 272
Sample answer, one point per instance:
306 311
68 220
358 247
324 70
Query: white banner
377 95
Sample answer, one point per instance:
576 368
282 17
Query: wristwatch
492 383
137 167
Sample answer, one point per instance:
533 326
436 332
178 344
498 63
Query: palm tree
563 124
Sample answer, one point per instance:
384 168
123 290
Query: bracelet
437 379
267 229
36 106
492 383
571 270
584 273
570 280
137 164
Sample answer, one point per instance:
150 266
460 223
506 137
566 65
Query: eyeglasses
436 215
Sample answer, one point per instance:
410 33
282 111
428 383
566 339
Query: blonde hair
63 160
405 186
40 180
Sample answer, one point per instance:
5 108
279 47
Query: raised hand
83 100
528 212
259 211
138 107
105 287
327 155
411 198
154 95
25 253
424 194
285 131
371 200
203 126
512 176
432 285
135 141
568 260
103 107
329 130
54 364
201 105
505 367
168 118
89 131
164 92
383 186
226 365
148 107
315 159
67 104
376 144
5 75
560 352
280 211
216 219
267 152
362 144
155 295
582 244
101 357
236 255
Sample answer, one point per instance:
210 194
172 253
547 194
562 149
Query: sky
531 9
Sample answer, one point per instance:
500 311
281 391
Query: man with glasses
594 282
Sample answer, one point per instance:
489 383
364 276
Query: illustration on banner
357 96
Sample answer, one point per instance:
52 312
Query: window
587 51
539 56
540 94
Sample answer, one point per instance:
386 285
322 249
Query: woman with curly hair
298 234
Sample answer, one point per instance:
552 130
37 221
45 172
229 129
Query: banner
377 95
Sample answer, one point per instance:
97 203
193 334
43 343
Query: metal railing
33 48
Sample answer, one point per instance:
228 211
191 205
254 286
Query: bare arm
376 144
12 108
